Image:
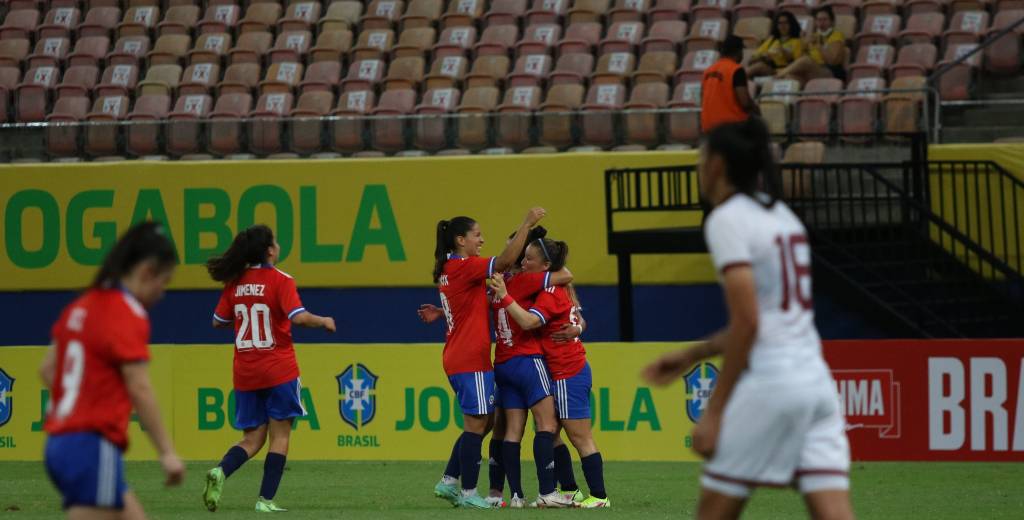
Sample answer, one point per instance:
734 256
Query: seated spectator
780 49
825 49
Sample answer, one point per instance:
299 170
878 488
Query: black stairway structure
928 249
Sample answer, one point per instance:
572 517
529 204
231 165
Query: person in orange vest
725 97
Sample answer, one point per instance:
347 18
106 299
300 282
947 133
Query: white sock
446 480
468 492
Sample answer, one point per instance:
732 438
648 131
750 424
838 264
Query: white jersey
773 242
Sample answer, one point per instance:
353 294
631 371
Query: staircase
997 113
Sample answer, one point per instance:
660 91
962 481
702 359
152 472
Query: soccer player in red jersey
553 309
97 371
461 275
262 303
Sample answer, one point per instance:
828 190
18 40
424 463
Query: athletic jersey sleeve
288 298
525 285
550 304
723 233
130 344
480 267
224 313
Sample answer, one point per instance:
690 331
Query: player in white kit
773 418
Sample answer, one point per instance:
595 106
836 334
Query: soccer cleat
517 502
214 487
576 495
554 500
473 502
594 502
268 506
496 502
449 492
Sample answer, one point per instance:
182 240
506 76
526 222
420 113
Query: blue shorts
522 382
87 470
254 408
475 392
572 395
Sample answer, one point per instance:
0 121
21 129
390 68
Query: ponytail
749 161
142 242
447 231
554 252
249 247
536 233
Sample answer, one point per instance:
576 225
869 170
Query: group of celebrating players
772 420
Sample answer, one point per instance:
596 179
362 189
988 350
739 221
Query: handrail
988 41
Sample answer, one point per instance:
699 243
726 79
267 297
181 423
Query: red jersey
98 333
261 303
555 309
511 339
467 347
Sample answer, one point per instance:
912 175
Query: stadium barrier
904 400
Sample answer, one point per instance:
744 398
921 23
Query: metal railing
987 42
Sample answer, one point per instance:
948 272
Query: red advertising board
955 400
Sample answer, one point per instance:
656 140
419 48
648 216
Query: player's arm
561 277
49 367
223 316
136 379
569 332
526 320
515 246
308 319
429 313
669 367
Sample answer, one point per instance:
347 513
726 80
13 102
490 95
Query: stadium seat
259 17
291 47
462 13
810 152
300 16
488 71
613 68
323 76
655 67
556 125
431 133
446 72
33 94
956 83
250 47
364 75
415 42
421 13
64 140
913 7
684 124
846 24
643 128
331 46
306 130
580 37
49 52
455 41
210 48
753 30
170 49
628 11
668 10
79 80
857 113
799 8
572 68
199 78
705 9
382 14
389 133
138 21
878 29
587 11
266 129
875 7
923 28
240 78
903 109
20 23
373 44
13 52
966 27
282 78
622 37
225 129
665 35
496 39
694 64
530 71
348 131
754 9
89 50
872 61
546 11
184 129
404 74
129 50
843 7
180 19
220 19
505 12
145 135
539 39
99 21
775 101
815 108
916 59
118 79
9 79
474 121
59 22
706 34
1002 56
104 139
160 79
343 15
956 6
600 114
514 118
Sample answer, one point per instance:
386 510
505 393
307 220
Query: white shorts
779 433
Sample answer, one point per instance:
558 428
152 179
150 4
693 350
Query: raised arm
515 246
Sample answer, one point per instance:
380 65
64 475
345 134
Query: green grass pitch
638 490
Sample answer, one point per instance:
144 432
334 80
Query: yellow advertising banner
340 223
366 402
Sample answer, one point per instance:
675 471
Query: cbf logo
358 404
6 401
699 384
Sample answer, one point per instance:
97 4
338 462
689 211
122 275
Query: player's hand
705 434
497 284
328 323
568 332
534 215
429 313
666 369
174 469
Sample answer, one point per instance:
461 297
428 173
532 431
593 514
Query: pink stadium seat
555 123
515 117
815 108
59 23
858 113
220 19
291 47
388 133
668 10
546 11
455 41
1002 57
872 61
462 13
474 122
615 67
598 122
488 71
382 14
199 78
622 37
210 48
240 78
530 71
118 80
684 127
879 29
706 34
539 39
99 21
331 45
446 72
9 79
20 23
49 52
665 35
300 16
925 6
306 129
917 59
414 42
572 68
282 77
184 131
644 128
505 12
144 135
139 21
170 49
89 50
13 52
421 13
704 9
873 7
260 17
250 47
580 37
694 64
799 8
179 19
902 107
923 28
129 50
103 139
430 133
266 129
348 132
497 39
364 75
375 44
956 83
34 92
341 15
629 11
587 11
64 140
225 128
966 27
753 9
323 76
405 73
79 81
655 66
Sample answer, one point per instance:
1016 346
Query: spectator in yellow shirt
779 50
826 51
